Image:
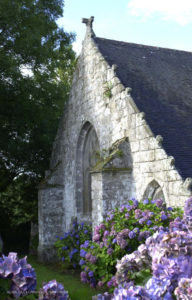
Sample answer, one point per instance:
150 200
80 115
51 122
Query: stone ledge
112 170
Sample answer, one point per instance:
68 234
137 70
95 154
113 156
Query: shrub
53 291
18 279
16 275
169 253
68 246
122 231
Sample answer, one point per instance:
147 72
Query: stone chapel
126 131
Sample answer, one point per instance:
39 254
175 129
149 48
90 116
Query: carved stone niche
111 180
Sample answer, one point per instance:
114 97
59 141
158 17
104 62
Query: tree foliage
34 52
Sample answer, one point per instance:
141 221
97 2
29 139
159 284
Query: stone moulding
107 163
49 185
48 175
114 170
188 183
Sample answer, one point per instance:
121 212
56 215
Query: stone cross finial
88 22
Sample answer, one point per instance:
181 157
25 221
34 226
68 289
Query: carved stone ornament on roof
88 22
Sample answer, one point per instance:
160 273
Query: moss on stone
112 169
114 151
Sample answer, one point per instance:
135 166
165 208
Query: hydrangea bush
53 291
19 275
121 232
169 254
68 246
18 280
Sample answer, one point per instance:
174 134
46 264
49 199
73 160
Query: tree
34 51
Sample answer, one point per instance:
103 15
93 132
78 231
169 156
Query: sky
161 23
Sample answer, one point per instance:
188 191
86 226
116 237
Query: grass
70 279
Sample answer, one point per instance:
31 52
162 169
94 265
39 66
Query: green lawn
70 280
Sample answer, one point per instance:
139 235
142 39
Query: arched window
154 191
87 148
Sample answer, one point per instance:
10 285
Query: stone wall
109 190
51 220
112 118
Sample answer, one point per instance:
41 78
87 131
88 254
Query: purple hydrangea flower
96 237
82 262
136 230
169 208
106 233
127 215
105 241
90 274
53 291
64 248
88 255
109 251
21 274
157 288
142 220
100 284
159 202
149 222
109 283
132 234
83 275
163 217
131 292
145 201
86 244
135 202
82 253
93 259
184 289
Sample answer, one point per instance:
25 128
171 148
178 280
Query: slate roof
161 82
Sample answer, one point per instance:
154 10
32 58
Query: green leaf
5 285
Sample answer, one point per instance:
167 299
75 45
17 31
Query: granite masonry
106 150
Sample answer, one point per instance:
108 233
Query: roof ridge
143 46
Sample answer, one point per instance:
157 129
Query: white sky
164 23
167 10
